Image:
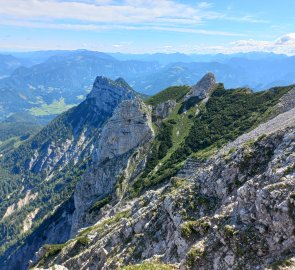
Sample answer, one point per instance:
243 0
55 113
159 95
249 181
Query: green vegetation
289 170
56 107
227 115
21 130
51 251
172 93
13 133
83 240
230 231
149 266
169 138
99 204
107 222
160 147
193 227
22 117
187 229
194 255
281 264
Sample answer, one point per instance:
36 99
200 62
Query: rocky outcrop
287 102
29 197
129 127
251 191
235 211
57 157
28 222
199 92
203 88
108 94
124 137
87 118
163 110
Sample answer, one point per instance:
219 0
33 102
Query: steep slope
193 203
177 191
42 173
121 148
230 213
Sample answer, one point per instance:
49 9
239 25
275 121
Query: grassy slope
173 93
227 115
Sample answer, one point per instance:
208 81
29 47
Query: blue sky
137 26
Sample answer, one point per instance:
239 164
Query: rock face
287 102
234 211
163 110
204 87
122 140
129 127
69 142
108 94
79 124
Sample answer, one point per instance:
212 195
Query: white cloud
204 5
94 14
96 27
135 11
288 40
283 45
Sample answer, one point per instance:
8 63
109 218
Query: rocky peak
123 83
204 87
108 94
124 136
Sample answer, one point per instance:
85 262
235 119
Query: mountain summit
108 93
204 87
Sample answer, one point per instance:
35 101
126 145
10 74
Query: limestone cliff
232 210
163 110
50 163
204 87
235 211
123 139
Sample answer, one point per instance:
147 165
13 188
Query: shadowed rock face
204 87
82 126
128 130
163 110
108 94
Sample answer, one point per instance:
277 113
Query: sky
138 26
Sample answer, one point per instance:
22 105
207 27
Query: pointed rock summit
204 87
108 94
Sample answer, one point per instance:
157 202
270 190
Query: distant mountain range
47 83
